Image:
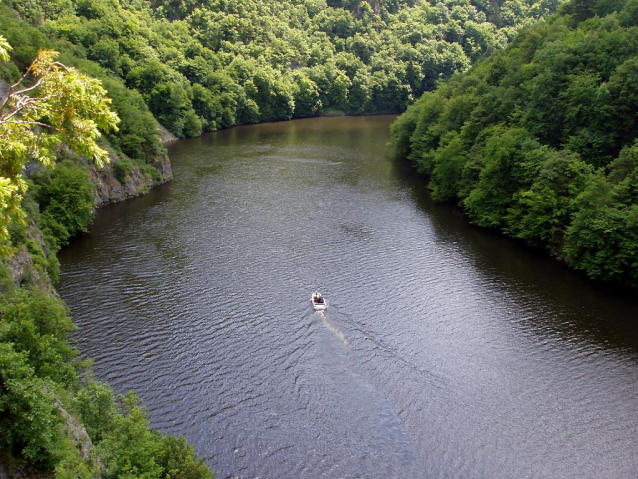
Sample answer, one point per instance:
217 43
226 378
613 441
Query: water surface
446 351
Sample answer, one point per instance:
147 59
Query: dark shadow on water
604 314
108 216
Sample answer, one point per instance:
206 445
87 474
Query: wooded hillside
540 139
203 65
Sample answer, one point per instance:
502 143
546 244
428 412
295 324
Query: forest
200 66
540 140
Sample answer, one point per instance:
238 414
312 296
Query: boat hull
318 306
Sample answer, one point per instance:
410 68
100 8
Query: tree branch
21 104
25 90
34 123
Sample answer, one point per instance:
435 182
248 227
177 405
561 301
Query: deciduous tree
50 105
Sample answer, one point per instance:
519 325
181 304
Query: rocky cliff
111 186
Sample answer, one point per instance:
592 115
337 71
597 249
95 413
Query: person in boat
317 298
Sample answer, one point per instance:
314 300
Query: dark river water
446 351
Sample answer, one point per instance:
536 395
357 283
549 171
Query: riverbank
114 182
57 421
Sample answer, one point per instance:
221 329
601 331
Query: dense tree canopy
540 140
203 65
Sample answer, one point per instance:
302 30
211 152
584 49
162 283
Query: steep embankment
115 182
540 140
55 420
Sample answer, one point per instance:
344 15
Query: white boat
318 301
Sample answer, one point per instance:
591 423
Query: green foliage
37 325
524 139
30 425
603 236
65 196
96 403
137 136
501 176
126 445
122 168
152 172
178 460
129 449
49 105
200 66
541 214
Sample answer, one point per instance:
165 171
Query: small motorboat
318 301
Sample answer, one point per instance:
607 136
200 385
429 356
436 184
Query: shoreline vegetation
540 140
203 65
55 418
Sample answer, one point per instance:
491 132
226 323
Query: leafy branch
51 104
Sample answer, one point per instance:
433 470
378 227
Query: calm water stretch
446 351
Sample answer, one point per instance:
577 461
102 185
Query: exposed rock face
165 135
22 270
4 90
108 189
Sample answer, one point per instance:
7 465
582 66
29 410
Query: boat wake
333 329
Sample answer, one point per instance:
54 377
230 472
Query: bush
154 173
122 168
37 325
178 460
65 195
30 425
97 408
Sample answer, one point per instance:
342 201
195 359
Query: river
446 350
